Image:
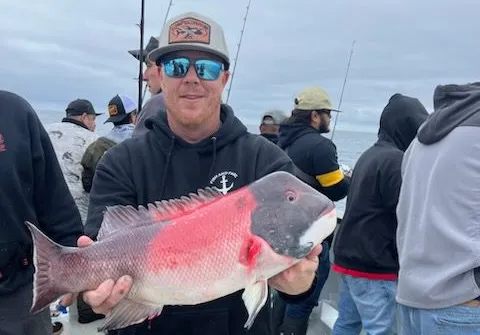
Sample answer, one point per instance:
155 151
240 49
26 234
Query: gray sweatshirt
153 107
438 234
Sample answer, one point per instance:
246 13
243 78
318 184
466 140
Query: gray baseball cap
191 31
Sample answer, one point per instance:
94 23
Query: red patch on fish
194 238
250 252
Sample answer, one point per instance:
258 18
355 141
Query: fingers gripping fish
190 250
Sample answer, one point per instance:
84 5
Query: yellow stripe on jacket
330 178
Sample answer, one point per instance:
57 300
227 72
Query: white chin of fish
320 229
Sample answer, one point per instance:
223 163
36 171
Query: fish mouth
321 228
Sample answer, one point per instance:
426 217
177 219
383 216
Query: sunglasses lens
177 67
208 69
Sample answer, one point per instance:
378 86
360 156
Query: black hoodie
271 137
316 156
365 241
159 165
32 187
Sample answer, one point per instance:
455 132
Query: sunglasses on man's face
206 69
328 112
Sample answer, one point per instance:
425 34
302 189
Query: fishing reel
345 169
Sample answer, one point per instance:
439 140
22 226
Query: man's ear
226 76
161 76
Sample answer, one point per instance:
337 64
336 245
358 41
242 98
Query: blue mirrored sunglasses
206 69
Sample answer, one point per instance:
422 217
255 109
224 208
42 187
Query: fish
189 250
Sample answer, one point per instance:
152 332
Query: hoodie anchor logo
225 180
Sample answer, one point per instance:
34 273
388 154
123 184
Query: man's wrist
297 298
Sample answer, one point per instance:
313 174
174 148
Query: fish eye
291 195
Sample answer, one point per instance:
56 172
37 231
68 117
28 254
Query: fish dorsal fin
120 217
167 209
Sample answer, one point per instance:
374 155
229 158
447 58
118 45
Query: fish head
290 215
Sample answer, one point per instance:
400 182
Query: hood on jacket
454 105
230 129
152 108
400 120
290 132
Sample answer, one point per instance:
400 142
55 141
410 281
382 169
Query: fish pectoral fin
254 297
127 313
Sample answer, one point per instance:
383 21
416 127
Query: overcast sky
53 51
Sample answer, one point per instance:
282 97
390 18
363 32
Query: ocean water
350 144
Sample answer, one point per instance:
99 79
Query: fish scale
191 250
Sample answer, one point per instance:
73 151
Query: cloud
55 51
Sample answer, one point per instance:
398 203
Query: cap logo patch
112 110
189 30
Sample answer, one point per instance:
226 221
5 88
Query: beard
324 128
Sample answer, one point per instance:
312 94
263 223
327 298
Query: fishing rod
168 11
343 88
140 68
140 75
238 50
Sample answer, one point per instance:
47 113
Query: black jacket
32 187
316 156
365 240
159 165
271 137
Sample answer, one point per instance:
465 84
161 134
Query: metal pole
140 75
343 89
140 68
168 11
238 50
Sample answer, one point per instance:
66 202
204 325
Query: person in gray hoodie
438 213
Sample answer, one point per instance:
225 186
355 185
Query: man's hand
299 278
109 293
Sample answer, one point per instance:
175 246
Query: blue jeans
366 303
457 320
304 309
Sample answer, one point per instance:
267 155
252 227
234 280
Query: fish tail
45 257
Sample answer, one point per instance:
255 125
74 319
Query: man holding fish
227 237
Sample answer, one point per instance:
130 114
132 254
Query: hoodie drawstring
165 169
214 154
